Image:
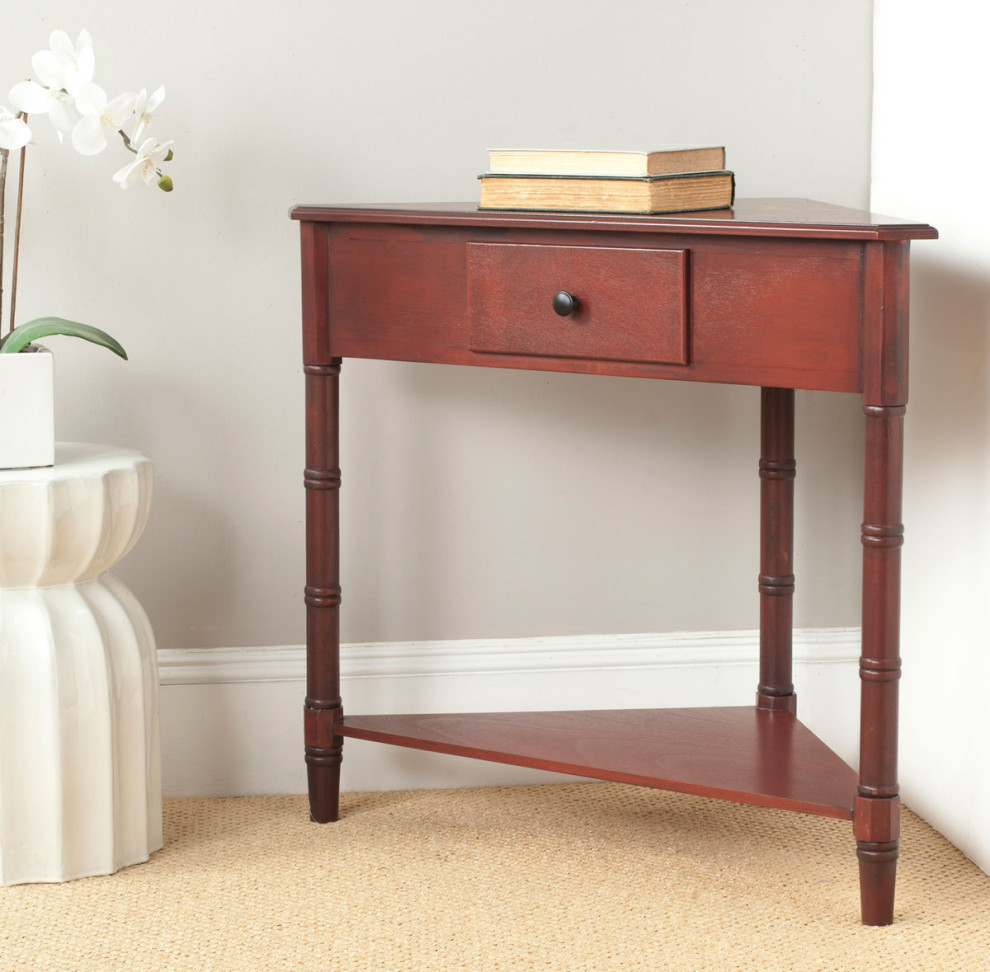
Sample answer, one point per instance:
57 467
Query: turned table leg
777 470
322 481
876 817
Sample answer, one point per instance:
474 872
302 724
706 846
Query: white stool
80 764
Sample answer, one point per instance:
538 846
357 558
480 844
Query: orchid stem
4 153
17 230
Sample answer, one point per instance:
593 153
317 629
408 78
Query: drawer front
631 303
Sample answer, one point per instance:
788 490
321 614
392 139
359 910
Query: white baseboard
232 717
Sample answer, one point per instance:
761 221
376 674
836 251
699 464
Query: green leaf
41 327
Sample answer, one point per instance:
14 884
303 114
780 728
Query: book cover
662 161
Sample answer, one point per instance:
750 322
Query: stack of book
672 180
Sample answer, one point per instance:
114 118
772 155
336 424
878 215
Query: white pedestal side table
80 764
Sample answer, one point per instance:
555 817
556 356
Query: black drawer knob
564 303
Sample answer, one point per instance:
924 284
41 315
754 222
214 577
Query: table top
781 217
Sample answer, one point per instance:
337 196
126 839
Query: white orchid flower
33 99
99 118
14 132
61 71
145 108
149 156
63 88
64 65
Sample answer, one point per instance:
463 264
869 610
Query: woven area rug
572 876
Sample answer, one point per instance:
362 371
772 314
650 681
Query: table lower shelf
742 754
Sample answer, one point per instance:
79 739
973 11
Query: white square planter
27 409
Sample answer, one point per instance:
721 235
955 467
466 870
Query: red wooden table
781 293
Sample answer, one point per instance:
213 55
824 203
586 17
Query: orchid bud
165 184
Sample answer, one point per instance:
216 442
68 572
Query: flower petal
120 109
91 99
31 97
14 134
48 69
153 150
83 73
61 45
154 102
88 137
128 175
64 117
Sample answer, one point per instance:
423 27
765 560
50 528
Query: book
667 161
681 192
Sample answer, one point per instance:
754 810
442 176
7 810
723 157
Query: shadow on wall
946 617
949 396
536 503
519 493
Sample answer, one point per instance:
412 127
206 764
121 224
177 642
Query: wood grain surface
743 754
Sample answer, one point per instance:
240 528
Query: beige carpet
572 877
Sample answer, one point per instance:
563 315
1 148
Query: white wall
589 505
931 142
246 702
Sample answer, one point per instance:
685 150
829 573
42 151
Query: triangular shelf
743 754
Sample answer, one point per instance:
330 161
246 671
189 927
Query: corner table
781 293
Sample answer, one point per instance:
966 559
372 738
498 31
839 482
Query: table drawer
632 304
